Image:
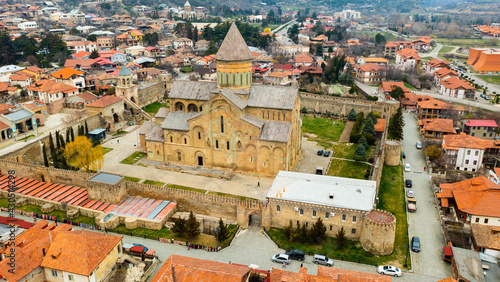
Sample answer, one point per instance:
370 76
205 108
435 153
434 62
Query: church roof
278 131
253 120
235 99
272 97
192 90
187 4
124 71
234 48
178 120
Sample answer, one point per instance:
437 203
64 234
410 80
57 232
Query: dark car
408 183
296 254
320 152
415 244
327 153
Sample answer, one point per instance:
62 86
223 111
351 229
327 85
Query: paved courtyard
125 145
310 159
424 223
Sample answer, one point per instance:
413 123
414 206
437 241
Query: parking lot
310 159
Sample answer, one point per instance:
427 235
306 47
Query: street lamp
407 252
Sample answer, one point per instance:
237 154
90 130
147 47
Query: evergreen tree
63 145
352 115
195 34
80 130
72 134
67 136
58 140
45 159
86 129
94 54
369 127
179 227
360 152
192 226
318 231
380 39
363 141
288 232
396 125
223 231
397 93
51 145
302 235
341 238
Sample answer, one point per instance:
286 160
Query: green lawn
26 137
121 132
465 42
132 159
107 150
132 179
351 252
154 107
152 182
4 202
392 199
324 130
348 169
428 58
491 78
410 87
446 49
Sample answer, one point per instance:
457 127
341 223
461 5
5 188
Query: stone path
347 132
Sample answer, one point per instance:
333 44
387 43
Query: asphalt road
424 223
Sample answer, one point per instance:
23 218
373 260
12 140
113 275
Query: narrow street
424 223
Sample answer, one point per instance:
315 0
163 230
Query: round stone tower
392 152
234 61
378 232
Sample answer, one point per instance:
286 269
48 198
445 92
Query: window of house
344 217
474 162
485 220
353 231
354 219
314 213
70 277
327 215
301 212
307 224
199 135
477 219
473 134
477 153
278 208
227 145
484 134
54 273
331 227
217 144
466 161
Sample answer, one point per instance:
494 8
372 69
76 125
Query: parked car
415 244
319 259
320 152
389 270
412 205
281 258
407 168
482 95
145 248
410 193
296 254
327 153
487 98
419 145
319 170
404 155
408 183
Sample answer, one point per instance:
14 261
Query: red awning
448 251
137 249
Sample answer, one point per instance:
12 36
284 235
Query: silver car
389 270
281 258
319 259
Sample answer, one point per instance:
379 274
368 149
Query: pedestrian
258 184
301 265
118 141
284 265
187 243
425 168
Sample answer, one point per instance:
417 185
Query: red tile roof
51 86
66 73
342 275
437 125
388 86
105 101
80 54
186 269
455 82
380 125
87 96
481 122
462 140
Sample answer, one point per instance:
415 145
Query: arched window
327 215
185 141
314 213
179 156
301 212
217 144
354 218
221 124
199 135
171 139
278 208
343 217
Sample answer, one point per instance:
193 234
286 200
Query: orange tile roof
436 62
449 279
51 86
34 69
462 140
66 73
475 196
80 54
83 63
277 74
445 72
455 82
79 251
434 104
486 236
375 60
87 96
388 86
136 32
18 77
186 269
303 59
281 275
350 275
370 67
437 124
104 101
380 125
3 125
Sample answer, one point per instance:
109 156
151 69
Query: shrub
360 151
303 110
352 115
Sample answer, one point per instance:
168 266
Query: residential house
410 100
433 108
465 152
442 74
70 76
319 39
386 87
48 91
79 101
111 109
485 129
408 58
38 72
394 46
372 60
18 121
20 79
134 52
182 42
436 64
278 78
9 69
422 43
371 73
81 55
154 52
329 47
28 25
5 108
82 64
486 239
436 128
457 88
207 61
471 266
205 73
115 57
305 60
202 44
79 46
104 42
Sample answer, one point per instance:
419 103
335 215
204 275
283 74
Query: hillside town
169 141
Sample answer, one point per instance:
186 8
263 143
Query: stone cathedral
230 124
